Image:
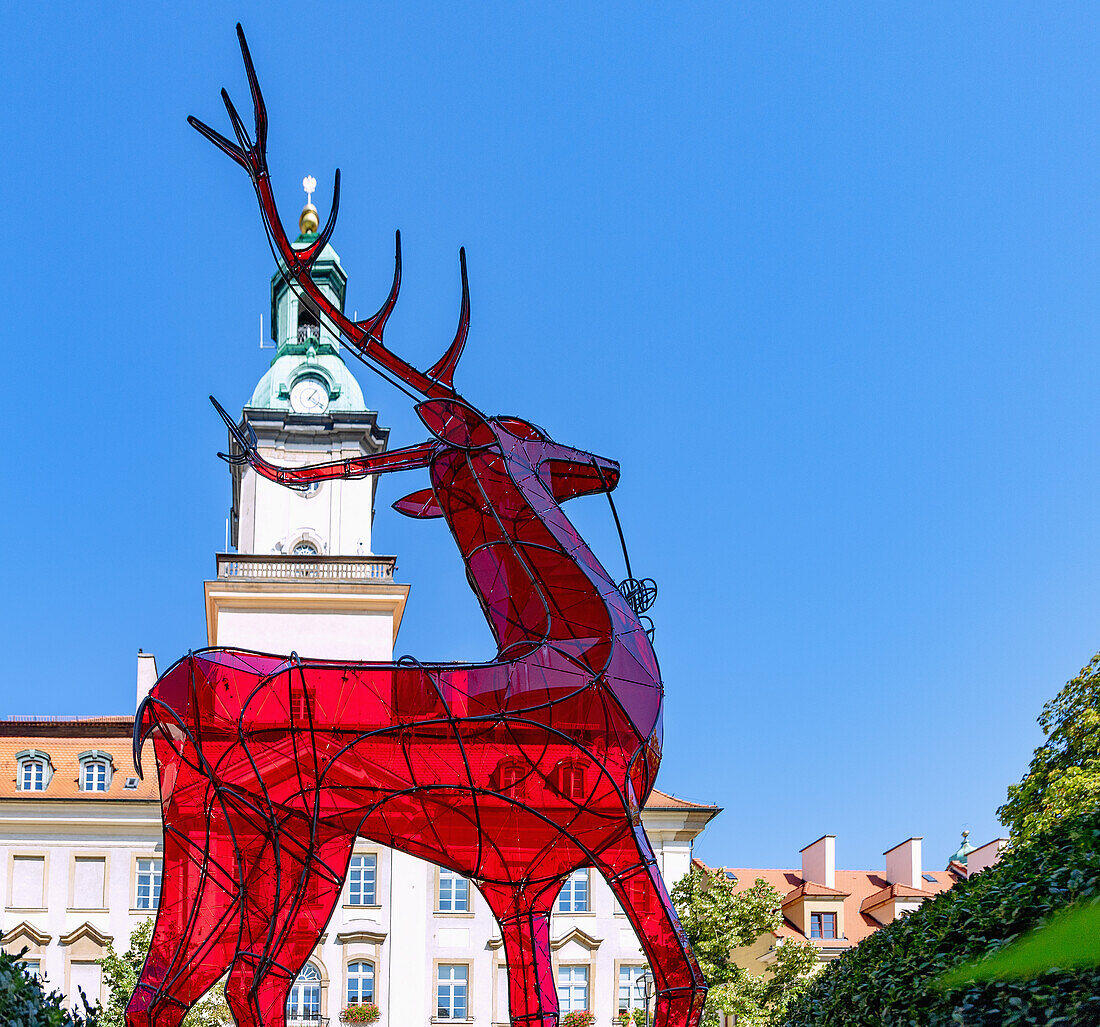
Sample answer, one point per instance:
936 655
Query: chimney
819 861
146 675
984 856
903 864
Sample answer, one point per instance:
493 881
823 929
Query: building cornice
303 596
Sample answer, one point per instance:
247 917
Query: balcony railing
309 333
306 568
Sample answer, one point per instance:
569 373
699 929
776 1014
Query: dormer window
823 925
34 770
96 769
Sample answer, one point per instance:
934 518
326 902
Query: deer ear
456 423
419 504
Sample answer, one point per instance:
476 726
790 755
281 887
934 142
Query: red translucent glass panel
514 772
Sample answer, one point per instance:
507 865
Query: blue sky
822 278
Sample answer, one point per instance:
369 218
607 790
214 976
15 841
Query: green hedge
23 1003
891 979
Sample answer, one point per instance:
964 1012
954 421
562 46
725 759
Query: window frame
818 921
135 882
320 983
571 777
89 856
29 756
564 1008
569 887
360 961
440 873
437 967
620 966
374 904
22 854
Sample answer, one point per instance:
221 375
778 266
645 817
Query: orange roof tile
808 889
662 800
855 886
893 891
64 740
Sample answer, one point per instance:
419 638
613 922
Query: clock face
309 396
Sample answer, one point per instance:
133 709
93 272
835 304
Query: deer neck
538 582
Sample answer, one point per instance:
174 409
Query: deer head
452 421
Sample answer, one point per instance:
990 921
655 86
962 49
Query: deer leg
289 897
524 917
631 870
198 890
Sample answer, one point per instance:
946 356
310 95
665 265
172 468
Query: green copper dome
964 850
293 363
306 350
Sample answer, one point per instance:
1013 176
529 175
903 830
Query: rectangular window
33 778
360 982
572 782
32 966
823 925
452 981
572 988
28 877
362 876
148 884
573 897
89 877
95 776
500 1009
454 892
84 977
631 995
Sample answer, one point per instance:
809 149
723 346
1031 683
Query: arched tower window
308 328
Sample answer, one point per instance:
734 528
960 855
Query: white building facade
80 834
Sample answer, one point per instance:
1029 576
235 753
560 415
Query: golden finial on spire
309 221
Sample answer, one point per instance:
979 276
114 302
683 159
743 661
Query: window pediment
26 933
361 936
580 937
86 941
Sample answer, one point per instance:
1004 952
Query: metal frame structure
513 772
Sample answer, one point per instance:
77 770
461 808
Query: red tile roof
662 800
854 886
63 740
808 889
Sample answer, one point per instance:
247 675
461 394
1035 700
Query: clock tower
304 559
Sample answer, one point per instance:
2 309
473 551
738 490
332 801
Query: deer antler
364 336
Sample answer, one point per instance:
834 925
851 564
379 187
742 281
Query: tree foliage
717 920
23 1003
121 972
894 977
1064 775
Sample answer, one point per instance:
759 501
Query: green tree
121 972
717 920
1064 775
897 976
23 1003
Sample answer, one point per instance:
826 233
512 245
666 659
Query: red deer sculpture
514 772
